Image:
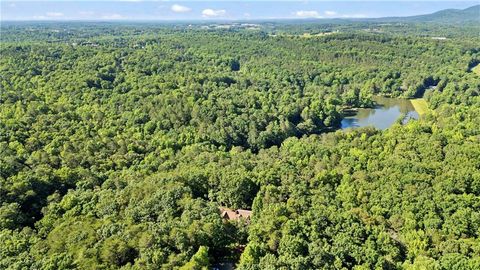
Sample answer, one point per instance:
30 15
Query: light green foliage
199 261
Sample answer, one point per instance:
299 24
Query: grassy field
305 35
476 69
420 105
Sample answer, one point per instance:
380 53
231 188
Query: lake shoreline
385 112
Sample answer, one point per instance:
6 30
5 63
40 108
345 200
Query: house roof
244 213
235 214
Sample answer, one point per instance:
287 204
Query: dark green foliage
116 252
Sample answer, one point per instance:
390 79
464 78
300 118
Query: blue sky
220 10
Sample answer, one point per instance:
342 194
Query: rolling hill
468 15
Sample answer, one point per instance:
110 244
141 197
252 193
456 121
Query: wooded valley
120 142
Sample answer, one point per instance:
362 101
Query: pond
383 115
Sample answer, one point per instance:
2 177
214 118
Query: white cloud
209 13
330 13
48 16
113 17
326 14
54 14
307 14
180 9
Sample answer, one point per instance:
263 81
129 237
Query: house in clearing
229 214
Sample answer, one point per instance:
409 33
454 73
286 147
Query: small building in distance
229 214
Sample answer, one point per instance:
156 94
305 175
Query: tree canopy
119 143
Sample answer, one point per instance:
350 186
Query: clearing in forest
476 69
420 105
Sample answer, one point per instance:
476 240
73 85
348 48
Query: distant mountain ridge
471 14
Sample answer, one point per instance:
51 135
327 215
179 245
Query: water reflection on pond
383 115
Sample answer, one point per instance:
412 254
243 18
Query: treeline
117 151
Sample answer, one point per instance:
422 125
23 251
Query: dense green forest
119 143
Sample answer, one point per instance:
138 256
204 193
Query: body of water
383 115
